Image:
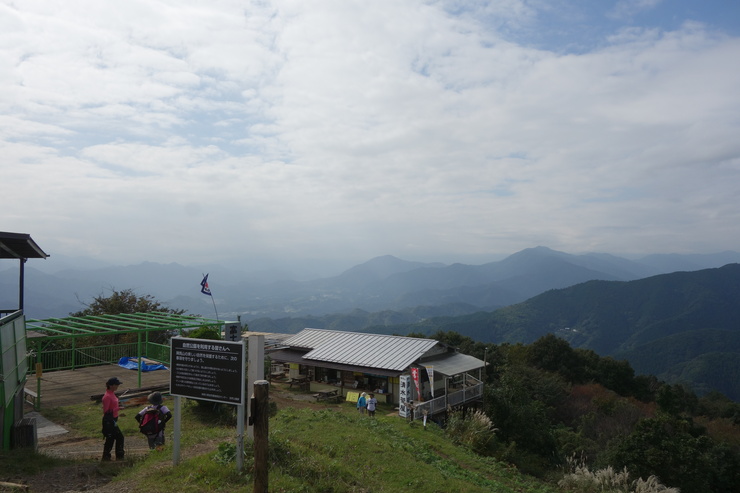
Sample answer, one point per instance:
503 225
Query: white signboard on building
404 395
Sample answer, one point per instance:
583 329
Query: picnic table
302 382
325 395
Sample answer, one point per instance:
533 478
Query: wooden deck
62 388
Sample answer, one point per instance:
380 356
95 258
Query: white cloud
349 129
626 9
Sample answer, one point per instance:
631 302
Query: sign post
208 370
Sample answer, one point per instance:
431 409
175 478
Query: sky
337 131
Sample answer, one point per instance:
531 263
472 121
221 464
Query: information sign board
207 369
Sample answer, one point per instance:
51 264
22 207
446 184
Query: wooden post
176 437
261 408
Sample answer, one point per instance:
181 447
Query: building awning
454 364
288 356
19 246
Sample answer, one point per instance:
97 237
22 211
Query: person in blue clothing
362 403
372 402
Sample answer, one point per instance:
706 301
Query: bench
30 396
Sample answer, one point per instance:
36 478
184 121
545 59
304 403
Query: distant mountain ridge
380 284
680 327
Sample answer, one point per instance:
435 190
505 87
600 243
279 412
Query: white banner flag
430 372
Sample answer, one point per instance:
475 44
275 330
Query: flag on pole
204 286
430 372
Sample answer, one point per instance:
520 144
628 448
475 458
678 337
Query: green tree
206 332
521 404
679 453
554 354
125 301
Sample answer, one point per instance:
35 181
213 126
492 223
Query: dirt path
88 474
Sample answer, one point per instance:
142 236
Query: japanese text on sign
208 370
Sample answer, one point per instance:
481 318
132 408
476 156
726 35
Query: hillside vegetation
681 327
553 418
312 449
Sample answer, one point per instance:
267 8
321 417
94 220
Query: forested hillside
552 403
680 327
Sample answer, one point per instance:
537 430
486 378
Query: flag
415 377
430 372
204 286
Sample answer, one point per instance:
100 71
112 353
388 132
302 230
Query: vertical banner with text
404 395
415 376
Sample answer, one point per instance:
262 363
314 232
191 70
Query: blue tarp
131 364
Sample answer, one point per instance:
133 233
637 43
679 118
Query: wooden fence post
261 417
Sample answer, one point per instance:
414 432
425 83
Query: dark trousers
116 437
156 440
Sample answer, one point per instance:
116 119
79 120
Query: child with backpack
152 420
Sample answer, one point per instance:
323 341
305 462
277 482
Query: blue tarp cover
131 364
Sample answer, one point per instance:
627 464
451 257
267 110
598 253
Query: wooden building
423 376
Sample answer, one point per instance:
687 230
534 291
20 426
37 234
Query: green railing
71 358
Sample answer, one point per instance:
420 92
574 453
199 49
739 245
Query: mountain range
380 284
680 327
672 316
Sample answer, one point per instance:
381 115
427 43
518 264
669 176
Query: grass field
312 449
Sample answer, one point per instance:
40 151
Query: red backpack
151 421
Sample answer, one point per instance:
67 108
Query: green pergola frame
41 332
124 323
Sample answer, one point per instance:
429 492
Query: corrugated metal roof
454 363
359 349
288 356
310 338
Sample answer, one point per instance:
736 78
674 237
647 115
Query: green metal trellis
40 333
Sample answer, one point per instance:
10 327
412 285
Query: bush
206 332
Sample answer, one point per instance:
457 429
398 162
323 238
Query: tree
679 453
125 301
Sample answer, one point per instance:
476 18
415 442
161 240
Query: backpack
151 421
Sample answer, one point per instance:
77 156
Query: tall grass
607 480
474 430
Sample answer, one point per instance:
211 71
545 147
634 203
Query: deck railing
472 391
71 358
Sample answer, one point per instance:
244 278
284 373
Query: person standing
372 402
362 403
153 426
111 431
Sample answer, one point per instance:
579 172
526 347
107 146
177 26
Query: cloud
350 130
626 9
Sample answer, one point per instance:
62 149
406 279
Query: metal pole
138 350
21 286
39 369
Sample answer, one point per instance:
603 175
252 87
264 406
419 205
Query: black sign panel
207 369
